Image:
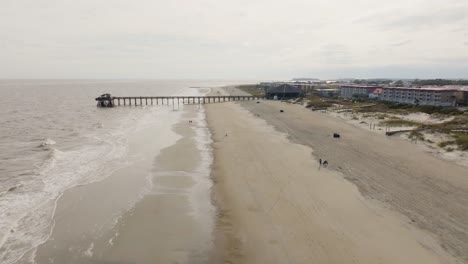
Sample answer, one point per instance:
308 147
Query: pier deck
106 100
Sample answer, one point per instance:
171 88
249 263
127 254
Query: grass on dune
399 122
254 90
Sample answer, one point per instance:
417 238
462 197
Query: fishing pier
107 100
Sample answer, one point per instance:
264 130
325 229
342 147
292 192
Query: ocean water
53 138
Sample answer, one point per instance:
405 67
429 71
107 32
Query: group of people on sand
324 163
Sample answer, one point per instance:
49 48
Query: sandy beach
372 123
234 132
156 209
255 193
379 201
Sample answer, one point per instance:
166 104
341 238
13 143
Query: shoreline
226 243
170 218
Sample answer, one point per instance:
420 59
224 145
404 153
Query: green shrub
416 135
383 106
462 141
317 102
443 144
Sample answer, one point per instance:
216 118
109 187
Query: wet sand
156 210
277 205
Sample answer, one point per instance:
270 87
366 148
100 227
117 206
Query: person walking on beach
320 161
325 163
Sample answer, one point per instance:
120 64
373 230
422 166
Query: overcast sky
241 39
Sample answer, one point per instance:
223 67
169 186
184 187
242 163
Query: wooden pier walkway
106 100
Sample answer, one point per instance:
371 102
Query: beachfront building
326 92
376 94
423 96
438 96
284 91
357 91
299 84
462 96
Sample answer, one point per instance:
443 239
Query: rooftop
447 89
284 88
361 86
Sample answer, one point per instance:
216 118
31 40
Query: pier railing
106 100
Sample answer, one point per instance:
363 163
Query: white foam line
51 224
201 203
89 252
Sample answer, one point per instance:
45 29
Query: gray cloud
335 54
420 71
230 39
402 43
430 20
410 20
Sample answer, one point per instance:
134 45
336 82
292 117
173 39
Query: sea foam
48 142
26 212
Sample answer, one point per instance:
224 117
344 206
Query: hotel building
353 91
421 96
438 96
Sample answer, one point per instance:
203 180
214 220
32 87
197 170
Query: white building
355 91
438 96
421 96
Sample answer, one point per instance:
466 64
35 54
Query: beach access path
277 205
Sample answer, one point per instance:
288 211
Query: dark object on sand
258 102
281 111
336 135
325 163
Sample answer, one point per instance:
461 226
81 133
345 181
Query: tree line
440 82
417 82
